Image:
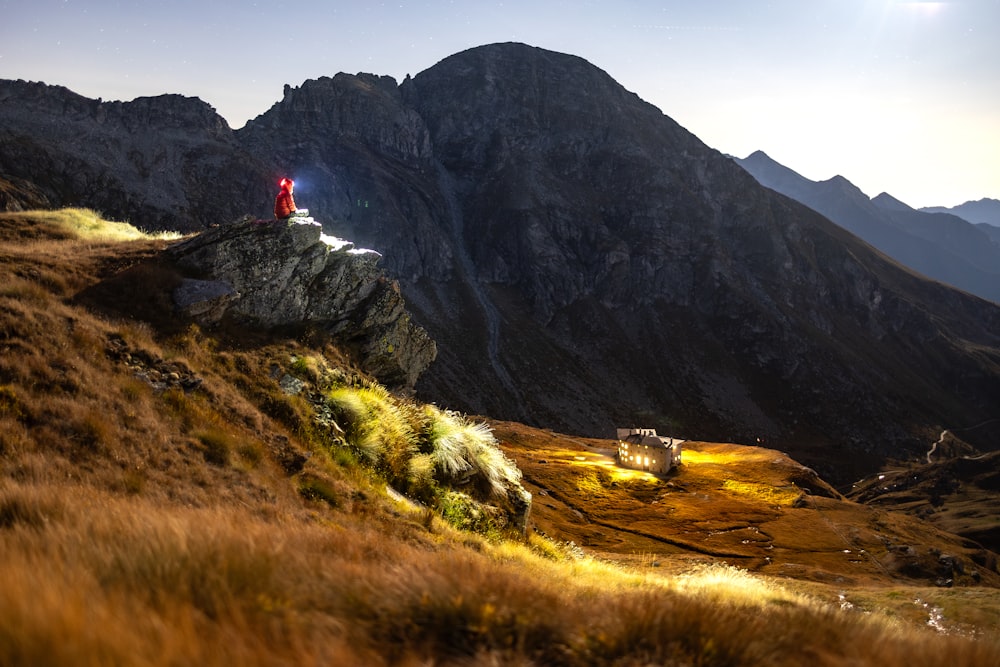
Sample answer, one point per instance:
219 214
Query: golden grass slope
146 522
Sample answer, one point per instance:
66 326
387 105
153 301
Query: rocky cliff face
363 163
583 262
279 274
167 162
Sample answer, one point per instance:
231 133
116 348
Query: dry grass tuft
217 585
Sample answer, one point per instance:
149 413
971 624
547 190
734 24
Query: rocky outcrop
363 163
20 195
275 274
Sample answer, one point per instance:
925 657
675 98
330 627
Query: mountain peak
888 202
759 156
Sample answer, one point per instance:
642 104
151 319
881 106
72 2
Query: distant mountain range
984 213
581 260
938 244
981 212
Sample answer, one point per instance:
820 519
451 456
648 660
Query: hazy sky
902 97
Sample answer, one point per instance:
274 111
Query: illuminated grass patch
423 450
695 457
87 224
766 493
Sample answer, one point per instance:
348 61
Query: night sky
901 97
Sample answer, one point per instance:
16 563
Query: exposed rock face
20 195
275 273
582 261
363 162
167 162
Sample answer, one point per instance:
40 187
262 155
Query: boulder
276 273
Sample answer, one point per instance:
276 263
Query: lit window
647 460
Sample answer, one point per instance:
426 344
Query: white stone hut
642 449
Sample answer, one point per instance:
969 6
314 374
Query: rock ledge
276 273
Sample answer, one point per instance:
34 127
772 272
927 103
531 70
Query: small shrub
10 406
216 446
250 452
312 487
464 512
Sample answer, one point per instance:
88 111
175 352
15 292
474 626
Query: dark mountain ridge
582 261
170 161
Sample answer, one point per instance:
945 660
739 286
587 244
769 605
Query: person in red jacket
284 205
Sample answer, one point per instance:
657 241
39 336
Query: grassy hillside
174 496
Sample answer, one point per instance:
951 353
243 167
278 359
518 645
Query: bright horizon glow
926 8
896 96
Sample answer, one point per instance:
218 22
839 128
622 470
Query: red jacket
284 205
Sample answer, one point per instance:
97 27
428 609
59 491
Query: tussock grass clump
379 427
10 406
435 456
217 446
785 497
28 508
460 448
19 289
426 450
462 511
